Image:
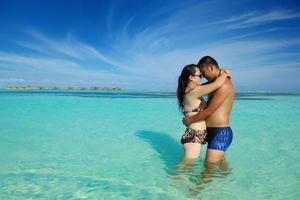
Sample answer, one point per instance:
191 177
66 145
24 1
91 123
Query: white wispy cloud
69 46
37 63
154 47
276 77
74 49
188 23
258 18
40 68
9 80
155 53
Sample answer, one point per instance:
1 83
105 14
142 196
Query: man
219 133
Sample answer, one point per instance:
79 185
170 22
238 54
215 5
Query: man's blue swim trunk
219 138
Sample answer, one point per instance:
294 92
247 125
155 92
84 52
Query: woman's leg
192 150
191 155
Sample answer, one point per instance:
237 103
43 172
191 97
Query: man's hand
185 121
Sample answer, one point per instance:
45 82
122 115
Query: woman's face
196 78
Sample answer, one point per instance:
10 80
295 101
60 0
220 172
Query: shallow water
125 145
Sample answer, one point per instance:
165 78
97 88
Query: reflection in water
195 176
190 175
167 147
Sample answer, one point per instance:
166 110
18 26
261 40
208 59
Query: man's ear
211 68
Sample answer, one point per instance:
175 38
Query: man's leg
214 156
219 139
212 160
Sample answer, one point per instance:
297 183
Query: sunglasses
200 75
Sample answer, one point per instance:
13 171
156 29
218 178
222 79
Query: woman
190 94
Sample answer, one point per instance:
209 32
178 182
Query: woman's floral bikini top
202 105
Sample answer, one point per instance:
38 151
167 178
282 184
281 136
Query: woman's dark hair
183 81
206 60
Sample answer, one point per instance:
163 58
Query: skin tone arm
202 90
217 99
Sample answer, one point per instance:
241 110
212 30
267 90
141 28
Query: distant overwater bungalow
30 87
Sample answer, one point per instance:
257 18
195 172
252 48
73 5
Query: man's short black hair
206 61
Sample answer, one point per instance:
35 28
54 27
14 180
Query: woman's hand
227 72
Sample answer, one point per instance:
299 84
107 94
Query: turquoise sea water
125 145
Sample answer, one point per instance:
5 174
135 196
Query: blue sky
145 44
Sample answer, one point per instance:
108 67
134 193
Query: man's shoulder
227 87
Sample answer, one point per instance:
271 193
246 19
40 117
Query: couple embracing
206 121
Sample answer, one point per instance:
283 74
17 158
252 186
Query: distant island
29 87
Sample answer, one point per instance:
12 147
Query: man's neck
217 74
